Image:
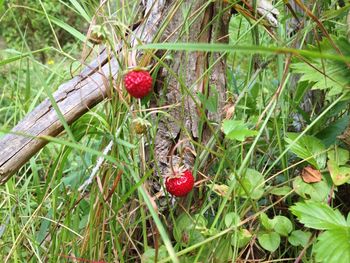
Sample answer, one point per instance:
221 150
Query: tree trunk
209 24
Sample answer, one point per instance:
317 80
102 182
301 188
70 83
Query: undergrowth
272 180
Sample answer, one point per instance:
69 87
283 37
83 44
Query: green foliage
318 215
339 171
282 225
333 245
316 191
324 74
188 231
274 229
269 241
251 185
149 256
299 238
237 130
247 167
308 148
29 17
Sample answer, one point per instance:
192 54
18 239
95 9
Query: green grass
248 171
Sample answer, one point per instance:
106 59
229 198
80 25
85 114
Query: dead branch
73 98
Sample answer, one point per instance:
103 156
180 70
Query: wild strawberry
138 83
180 183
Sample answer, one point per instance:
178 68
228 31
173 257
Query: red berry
180 185
138 83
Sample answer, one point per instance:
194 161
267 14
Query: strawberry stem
172 153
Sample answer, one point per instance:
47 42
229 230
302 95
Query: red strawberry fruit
180 184
138 83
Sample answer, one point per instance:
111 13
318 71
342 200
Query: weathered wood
209 24
74 98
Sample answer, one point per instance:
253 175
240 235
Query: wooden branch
73 98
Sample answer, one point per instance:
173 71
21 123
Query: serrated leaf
326 75
333 246
308 148
282 225
330 133
253 182
269 241
299 238
318 215
237 130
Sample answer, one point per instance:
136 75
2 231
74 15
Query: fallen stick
74 98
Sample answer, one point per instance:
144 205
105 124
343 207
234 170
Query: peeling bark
207 23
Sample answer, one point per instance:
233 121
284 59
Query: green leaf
241 238
232 219
329 134
282 225
318 215
269 241
340 175
253 182
150 255
281 190
315 191
326 75
237 130
299 238
223 252
267 223
306 147
188 231
333 246
339 156
81 10
210 103
211 47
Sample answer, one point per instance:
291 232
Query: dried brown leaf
311 175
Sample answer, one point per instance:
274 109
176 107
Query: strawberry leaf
333 246
318 215
308 148
269 241
299 238
237 130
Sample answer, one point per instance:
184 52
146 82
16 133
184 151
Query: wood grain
74 98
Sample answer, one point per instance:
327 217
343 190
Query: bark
209 23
